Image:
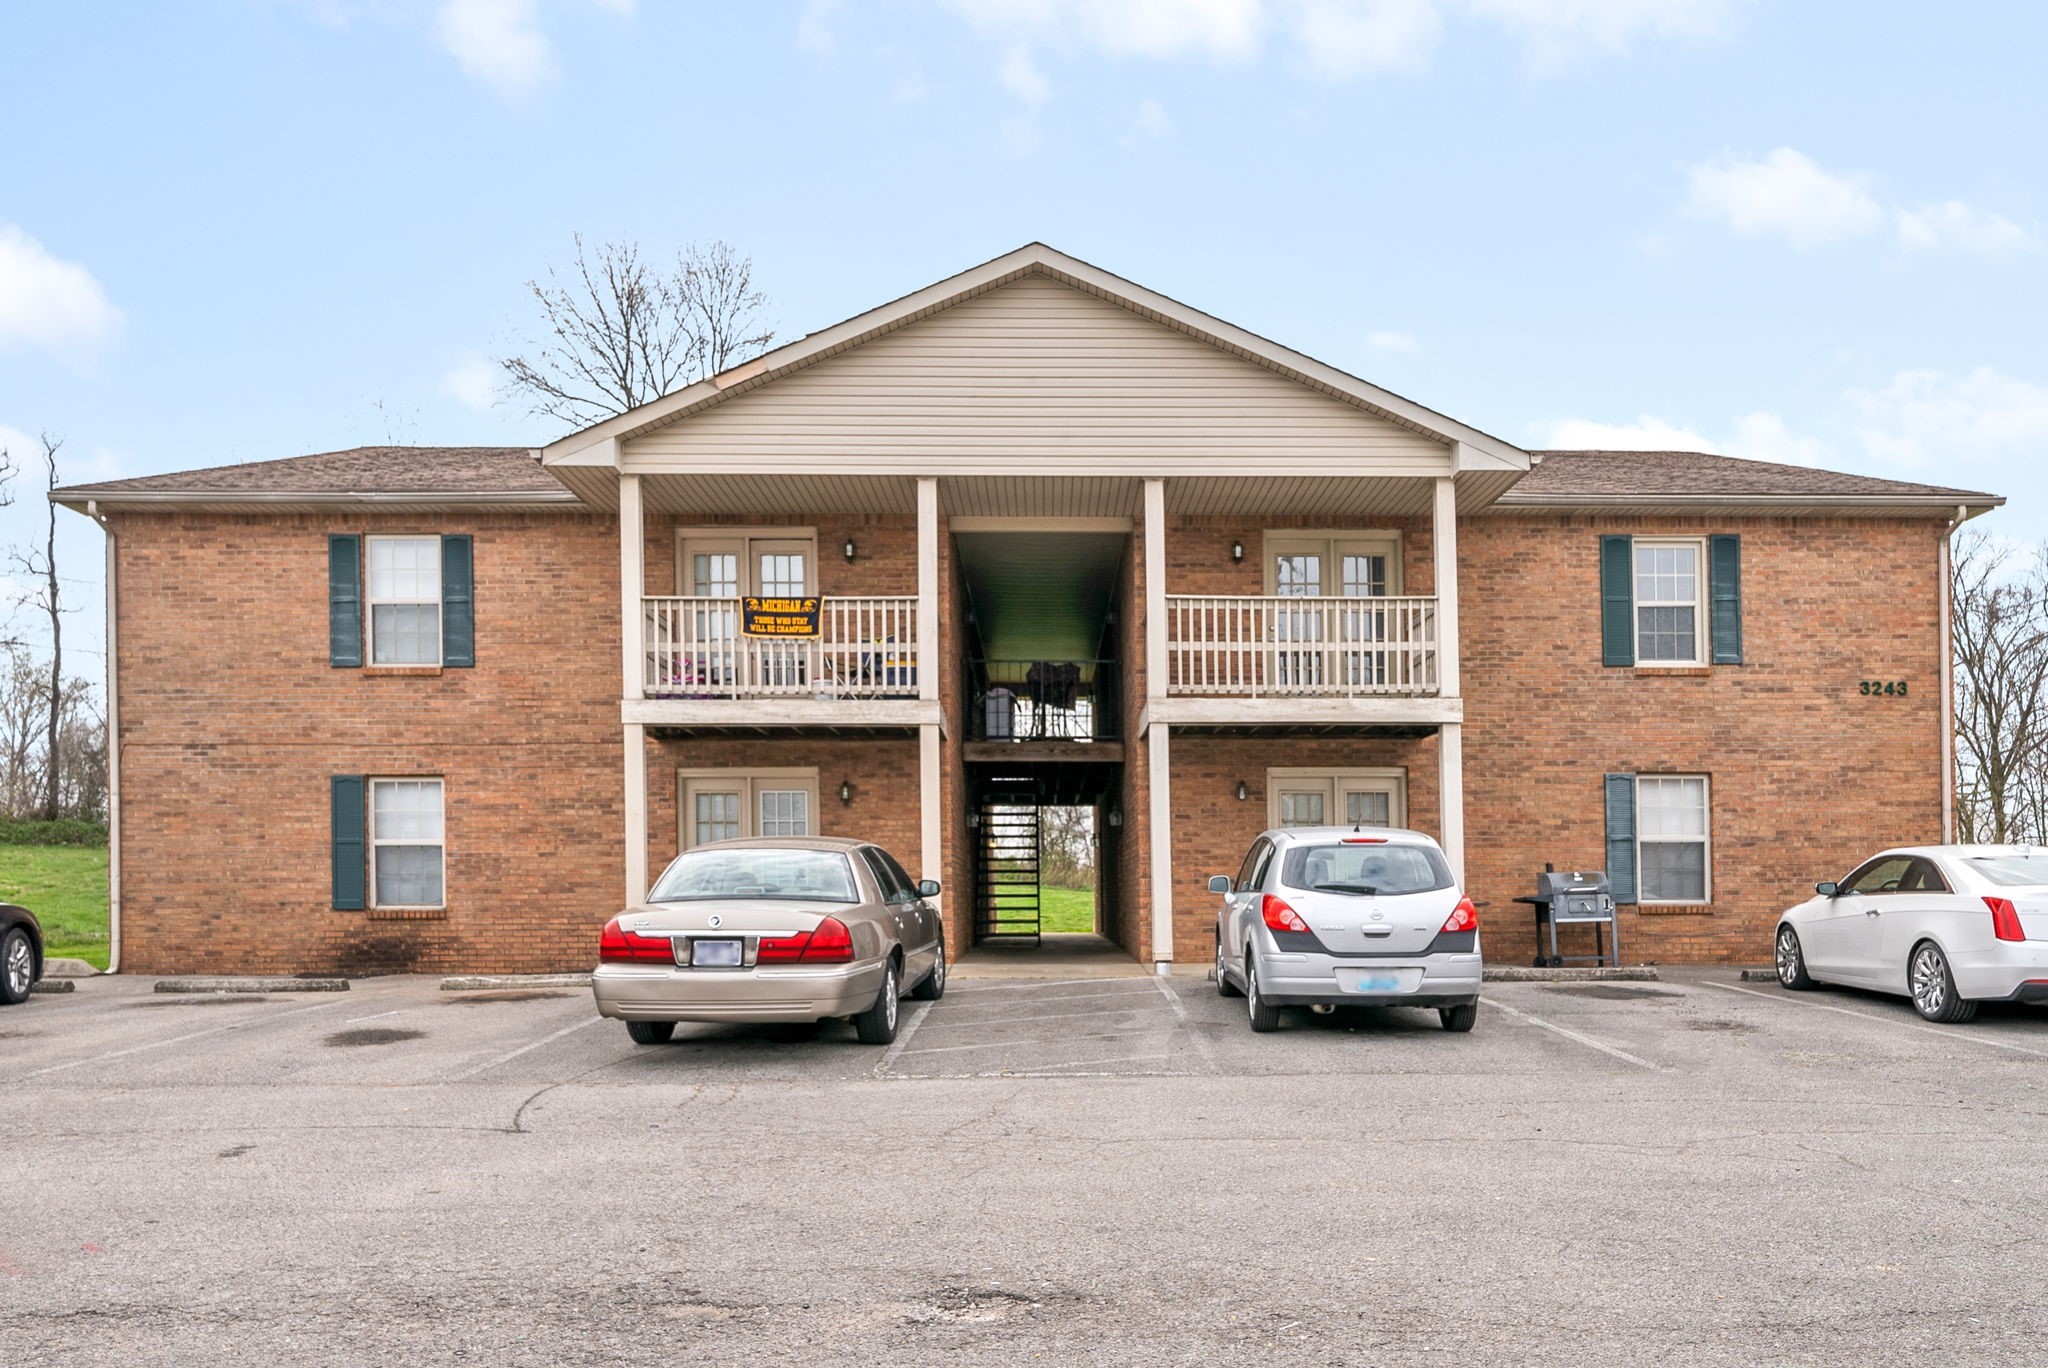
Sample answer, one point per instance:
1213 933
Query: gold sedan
773 929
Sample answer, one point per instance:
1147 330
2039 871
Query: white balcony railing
866 648
1301 647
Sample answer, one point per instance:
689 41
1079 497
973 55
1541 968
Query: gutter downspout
92 510
1948 683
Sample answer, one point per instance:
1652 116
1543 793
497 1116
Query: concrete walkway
1059 955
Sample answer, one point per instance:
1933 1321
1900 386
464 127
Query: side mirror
1219 883
927 888
1827 890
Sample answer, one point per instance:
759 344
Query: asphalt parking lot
1110 1171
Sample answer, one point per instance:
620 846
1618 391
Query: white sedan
1948 926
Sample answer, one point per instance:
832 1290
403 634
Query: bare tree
1999 612
622 332
1067 847
46 597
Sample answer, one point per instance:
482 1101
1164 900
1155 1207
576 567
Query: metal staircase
1006 865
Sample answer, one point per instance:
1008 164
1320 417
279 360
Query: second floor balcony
865 647
1255 646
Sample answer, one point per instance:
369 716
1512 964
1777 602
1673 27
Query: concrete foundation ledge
252 985
483 983
1759 976
1508 973
53 985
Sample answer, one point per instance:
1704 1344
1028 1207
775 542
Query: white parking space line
1019 1044
1585 1040
1044 1069
378 1016
179 1040
508 1057
1945 1032
903 1036
1180 1014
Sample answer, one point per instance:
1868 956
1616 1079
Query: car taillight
830 943
617 945
1464 917
782 949
1279 916
2005 919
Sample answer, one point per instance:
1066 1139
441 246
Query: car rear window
1363 869
799 875
2011 871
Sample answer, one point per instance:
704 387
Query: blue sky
240 229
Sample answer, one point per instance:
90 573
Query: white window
1669 588
723 805
407 858
1301 797
405 600
1671 838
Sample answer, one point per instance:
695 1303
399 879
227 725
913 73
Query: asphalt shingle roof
1651 474
358 470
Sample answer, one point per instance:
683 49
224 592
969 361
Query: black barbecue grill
1582 897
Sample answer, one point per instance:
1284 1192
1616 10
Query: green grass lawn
1066 909
66 887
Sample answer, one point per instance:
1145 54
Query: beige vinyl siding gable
1037 376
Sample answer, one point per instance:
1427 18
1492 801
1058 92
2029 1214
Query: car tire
650 1032
1224 987
932 986
1792 961
17 966
1933 987
1263 1014
1460 1018
877 1025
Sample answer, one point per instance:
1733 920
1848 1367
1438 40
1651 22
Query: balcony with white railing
866 648
1284 647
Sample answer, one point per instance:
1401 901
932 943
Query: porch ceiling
1041 595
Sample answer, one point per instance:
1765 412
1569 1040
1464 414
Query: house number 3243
1885 688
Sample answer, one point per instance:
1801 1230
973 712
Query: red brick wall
232 723
1806 775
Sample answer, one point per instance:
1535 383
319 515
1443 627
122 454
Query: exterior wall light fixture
846 790
1236 552
1244 790
1116 817
850 549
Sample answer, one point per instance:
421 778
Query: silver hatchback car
1344 916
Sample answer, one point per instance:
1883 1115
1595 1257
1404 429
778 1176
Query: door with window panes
1308 800
730 567
1322 644
728 807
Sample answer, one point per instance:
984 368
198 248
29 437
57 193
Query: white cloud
1387 340
473 384
50 304
1149 123
1346 38
1222 29
814 28
1644 434
1785 195
1558 30
1764 437
499 42
1928 418
1022 78
1958 227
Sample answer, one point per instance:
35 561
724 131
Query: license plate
715 954
1379 980
1377 983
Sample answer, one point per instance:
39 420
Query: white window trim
1332 544
1393 781
743 536
1698 603
747 782
1705 840
371 604
370 821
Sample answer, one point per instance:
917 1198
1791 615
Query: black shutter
1617 601
345 601
351 865
458 604
1724 590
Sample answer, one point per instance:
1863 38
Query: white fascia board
1513 502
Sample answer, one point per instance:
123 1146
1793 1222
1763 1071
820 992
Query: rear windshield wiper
1344 888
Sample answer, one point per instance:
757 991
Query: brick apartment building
1073 543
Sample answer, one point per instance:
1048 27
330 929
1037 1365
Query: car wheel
1264 1015
933 986
877 1025
17 966
1459 1018
1224 987
650 1032
1934 987
1791 962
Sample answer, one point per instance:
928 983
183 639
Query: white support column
1161 811
930 847
632 585
1155 589
928 592
1444 540
1450 759
636 813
